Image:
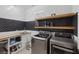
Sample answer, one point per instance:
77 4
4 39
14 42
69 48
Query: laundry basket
3 45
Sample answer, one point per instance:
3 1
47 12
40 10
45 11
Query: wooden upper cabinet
57 16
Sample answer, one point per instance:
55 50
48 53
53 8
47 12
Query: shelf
15 52
55 27
18 47
15 44
57 16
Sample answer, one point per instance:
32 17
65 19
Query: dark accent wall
10 25
30 25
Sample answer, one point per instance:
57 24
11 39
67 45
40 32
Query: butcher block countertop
6 35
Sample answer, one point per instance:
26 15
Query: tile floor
24 51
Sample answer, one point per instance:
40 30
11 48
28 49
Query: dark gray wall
30 25
10 25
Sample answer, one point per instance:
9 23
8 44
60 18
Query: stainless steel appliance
40 43
62 43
